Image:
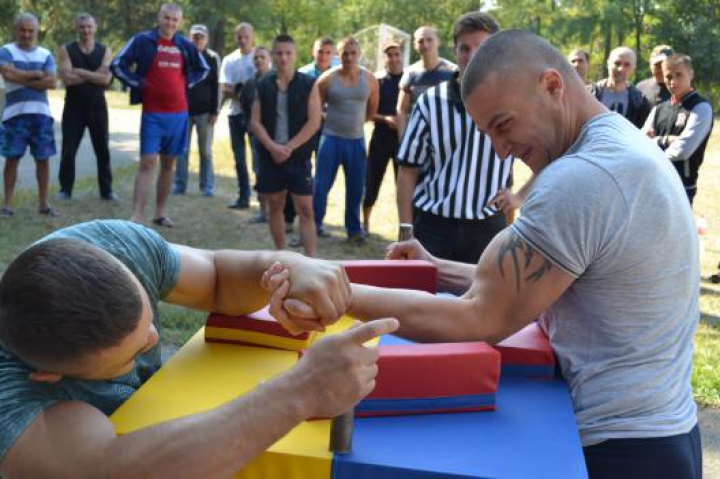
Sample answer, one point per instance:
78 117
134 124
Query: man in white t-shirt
237 68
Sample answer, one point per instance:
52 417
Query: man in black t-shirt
384 140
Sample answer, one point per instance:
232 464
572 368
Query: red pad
410 274
258 328
433 378
527 352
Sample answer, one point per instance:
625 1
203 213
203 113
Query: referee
449 171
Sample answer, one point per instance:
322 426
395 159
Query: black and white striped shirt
460 170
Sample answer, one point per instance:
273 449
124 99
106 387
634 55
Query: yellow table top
202 376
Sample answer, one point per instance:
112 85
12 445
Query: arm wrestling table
531 434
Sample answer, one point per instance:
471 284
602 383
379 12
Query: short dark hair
679 59
283 38
323 41
474 22
509 53
63 299
580 51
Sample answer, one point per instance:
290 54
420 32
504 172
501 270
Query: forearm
45 83
406 182
303 136
238 273
454 277
216 444
423 317
22 77
97 77
71 79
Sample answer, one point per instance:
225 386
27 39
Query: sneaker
110 197
357 240
208 193
240 204
258 219
296 242
48 211
63 196
323 234
164 221
6 212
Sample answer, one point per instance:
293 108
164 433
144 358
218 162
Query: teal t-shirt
156 265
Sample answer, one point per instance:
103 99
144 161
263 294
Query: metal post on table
341 433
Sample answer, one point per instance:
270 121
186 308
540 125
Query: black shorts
294 176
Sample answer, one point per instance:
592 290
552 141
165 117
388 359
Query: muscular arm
374 99
228 281
68 77
512 285
102 75
23 77
257 127
73 439
403 109
47 82
312 124
406 183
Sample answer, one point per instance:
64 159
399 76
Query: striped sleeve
49 66
415 147
122 62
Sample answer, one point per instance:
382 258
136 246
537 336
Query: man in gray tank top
351 95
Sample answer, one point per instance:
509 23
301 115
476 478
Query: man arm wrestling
79 332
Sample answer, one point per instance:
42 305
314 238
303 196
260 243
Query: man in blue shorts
29 71
285 117
159 66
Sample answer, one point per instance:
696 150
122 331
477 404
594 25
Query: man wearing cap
384 141
654 88
202 113
617 93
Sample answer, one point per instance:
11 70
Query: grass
206 222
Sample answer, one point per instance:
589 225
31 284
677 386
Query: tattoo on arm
522 255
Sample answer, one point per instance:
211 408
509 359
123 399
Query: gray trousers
205 142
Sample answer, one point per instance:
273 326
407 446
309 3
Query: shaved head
513 54
623 52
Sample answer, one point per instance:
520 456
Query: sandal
49 211
164 221
6 212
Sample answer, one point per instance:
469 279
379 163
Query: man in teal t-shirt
79 332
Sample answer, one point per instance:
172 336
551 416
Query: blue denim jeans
238 129
205 142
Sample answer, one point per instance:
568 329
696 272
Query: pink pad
258 328
527 352
433 378
410 274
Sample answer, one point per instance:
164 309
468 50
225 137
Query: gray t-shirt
282 134
616 101
613 214
157 266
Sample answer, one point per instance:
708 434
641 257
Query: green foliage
691 26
